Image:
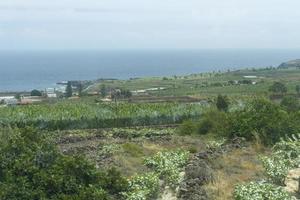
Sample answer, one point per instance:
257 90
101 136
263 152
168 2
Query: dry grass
238 166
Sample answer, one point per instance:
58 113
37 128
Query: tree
103 91
264 120
298 89
278 87
291 104
80 89
69 90
31 167
116 94
222 103
126 93
18 96
36 93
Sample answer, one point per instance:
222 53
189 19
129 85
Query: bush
143 187
31 167
289 149
276 168
187 128
260 191
278 87
290 104
213 121
265 118
222 103
35 93
168 165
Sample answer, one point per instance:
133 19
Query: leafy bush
143 187
168 165
276 168
289 149
278 87
260 191
35 93
32 168
290 104
213 121
285 156
222 103
187 128
264 118
215 144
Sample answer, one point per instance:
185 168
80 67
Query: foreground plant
285 156
289 149
260 191
143 187
31 167
215 144
276 168
168 165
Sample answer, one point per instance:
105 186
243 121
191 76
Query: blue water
29 70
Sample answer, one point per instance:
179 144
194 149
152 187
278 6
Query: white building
50 93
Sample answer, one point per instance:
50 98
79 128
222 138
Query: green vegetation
278 88
35 93
31 167
71 115
285 157
69 90
80 148
290 104
233 83
168 165
260 191
222 103
145 186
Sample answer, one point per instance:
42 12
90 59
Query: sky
148 24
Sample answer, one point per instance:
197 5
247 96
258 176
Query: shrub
278 87
187 128
222 103
289 149
215 144
260 191
192 149
290 104
143 187
263 117
35 93
276 168
31 167
213 121
168 165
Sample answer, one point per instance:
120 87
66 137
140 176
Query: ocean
27 70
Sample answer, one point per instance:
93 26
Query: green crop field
70 115
209 84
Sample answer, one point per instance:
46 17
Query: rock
292 181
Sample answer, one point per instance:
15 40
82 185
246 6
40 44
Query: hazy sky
115 24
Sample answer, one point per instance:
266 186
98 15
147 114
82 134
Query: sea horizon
31 69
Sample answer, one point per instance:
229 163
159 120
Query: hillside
291 64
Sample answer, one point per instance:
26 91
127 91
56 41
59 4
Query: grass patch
238 166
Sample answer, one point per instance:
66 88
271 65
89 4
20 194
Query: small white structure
11 101
6 98
50 93
250 76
